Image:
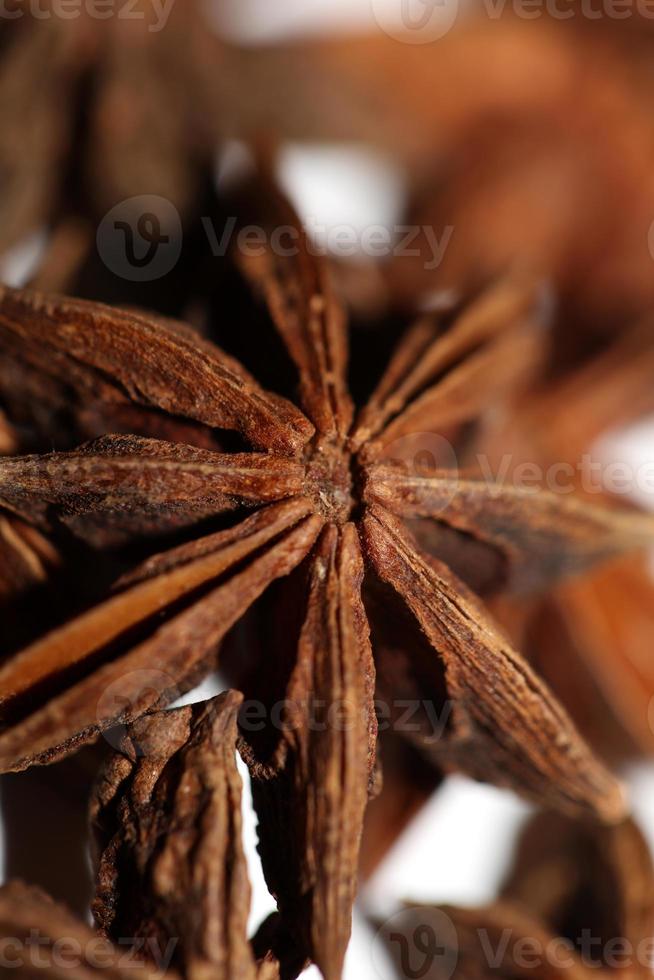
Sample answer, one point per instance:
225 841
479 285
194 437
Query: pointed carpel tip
614 806
329 951
331 966
230 700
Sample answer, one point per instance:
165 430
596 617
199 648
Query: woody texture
352 561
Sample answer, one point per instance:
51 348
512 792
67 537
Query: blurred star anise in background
351 491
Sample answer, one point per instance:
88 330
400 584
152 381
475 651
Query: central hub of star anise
329 472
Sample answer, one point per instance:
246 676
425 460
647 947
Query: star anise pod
166 813
42 938
538 157
328 500
579 902
27 557
589 637
93 90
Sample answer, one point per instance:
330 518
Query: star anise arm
610 390
315 792
587 878
135 485
578 903
467 390
26 557
499 940
309 317
493 343
28 564
540 535
607 620
51 413
36 71
137 650
506 727
112 354
166 815
49 941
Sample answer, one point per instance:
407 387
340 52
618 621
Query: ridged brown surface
579 902
166 815
48 940
275 506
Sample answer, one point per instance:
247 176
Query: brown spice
166 814
48 940
325 499
579 903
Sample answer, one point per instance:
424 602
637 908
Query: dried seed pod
81 104
334 545
44 938
166 814
579 903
